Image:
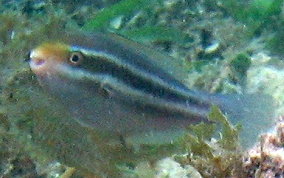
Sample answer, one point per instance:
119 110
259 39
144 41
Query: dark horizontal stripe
137 80
139 57
133 98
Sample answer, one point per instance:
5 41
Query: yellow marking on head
45 57
52 51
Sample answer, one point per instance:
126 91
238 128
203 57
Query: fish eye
76 58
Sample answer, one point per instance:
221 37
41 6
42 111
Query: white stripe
196 96
137 95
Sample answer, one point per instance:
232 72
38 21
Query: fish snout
42 64
38 63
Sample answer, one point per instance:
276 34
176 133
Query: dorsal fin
175 67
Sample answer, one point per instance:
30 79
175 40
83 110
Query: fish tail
254 112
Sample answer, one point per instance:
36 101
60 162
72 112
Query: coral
266 75
170 168
266 159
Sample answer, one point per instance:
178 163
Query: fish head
48 57
56 66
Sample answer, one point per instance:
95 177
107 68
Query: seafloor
228 46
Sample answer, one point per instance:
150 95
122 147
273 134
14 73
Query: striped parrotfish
122 88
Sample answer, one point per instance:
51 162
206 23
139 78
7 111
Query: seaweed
255 14
239 67
212 155
107 17
260 16
275 42
125 7
148 34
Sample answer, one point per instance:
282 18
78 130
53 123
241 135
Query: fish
122 88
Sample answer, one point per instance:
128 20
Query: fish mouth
35 63
38 65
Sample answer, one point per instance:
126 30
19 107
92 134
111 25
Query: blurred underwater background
226 46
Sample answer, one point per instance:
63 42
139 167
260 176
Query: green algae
210 155
259 16
150 34
125 7
230 134
239 66
275 42
256 14
146 33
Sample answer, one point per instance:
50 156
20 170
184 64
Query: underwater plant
255 14
110 19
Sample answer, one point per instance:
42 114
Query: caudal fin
255 113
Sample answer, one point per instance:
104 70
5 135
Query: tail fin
255 113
